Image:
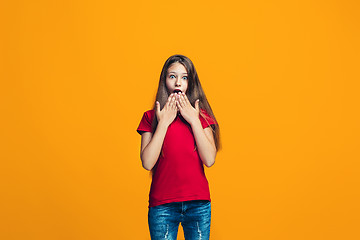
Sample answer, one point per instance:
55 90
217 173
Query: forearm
206 149
151 152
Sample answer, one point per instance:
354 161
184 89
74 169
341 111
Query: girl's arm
204 138
205 143
151 144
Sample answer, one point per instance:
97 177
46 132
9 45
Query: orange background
282 78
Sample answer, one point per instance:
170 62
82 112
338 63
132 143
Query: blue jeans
194 216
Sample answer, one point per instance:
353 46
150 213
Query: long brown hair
194 91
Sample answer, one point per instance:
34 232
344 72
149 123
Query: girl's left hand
189 113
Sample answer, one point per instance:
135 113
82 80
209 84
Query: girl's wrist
195 122
163 124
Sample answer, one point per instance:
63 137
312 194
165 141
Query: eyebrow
176 72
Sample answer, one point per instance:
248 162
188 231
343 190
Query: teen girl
178 137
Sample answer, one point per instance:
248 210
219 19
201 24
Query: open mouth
177 91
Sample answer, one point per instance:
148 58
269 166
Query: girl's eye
185 77
172 76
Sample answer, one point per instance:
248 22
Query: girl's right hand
167 115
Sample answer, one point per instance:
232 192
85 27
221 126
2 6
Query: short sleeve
146 122
206 121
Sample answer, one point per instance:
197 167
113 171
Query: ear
197 105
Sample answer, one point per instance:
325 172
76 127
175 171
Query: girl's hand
189 113
167 115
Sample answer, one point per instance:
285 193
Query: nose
178 82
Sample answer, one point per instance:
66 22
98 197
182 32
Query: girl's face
176 78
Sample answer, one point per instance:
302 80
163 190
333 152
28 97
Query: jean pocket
202 201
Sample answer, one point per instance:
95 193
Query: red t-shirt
179 172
